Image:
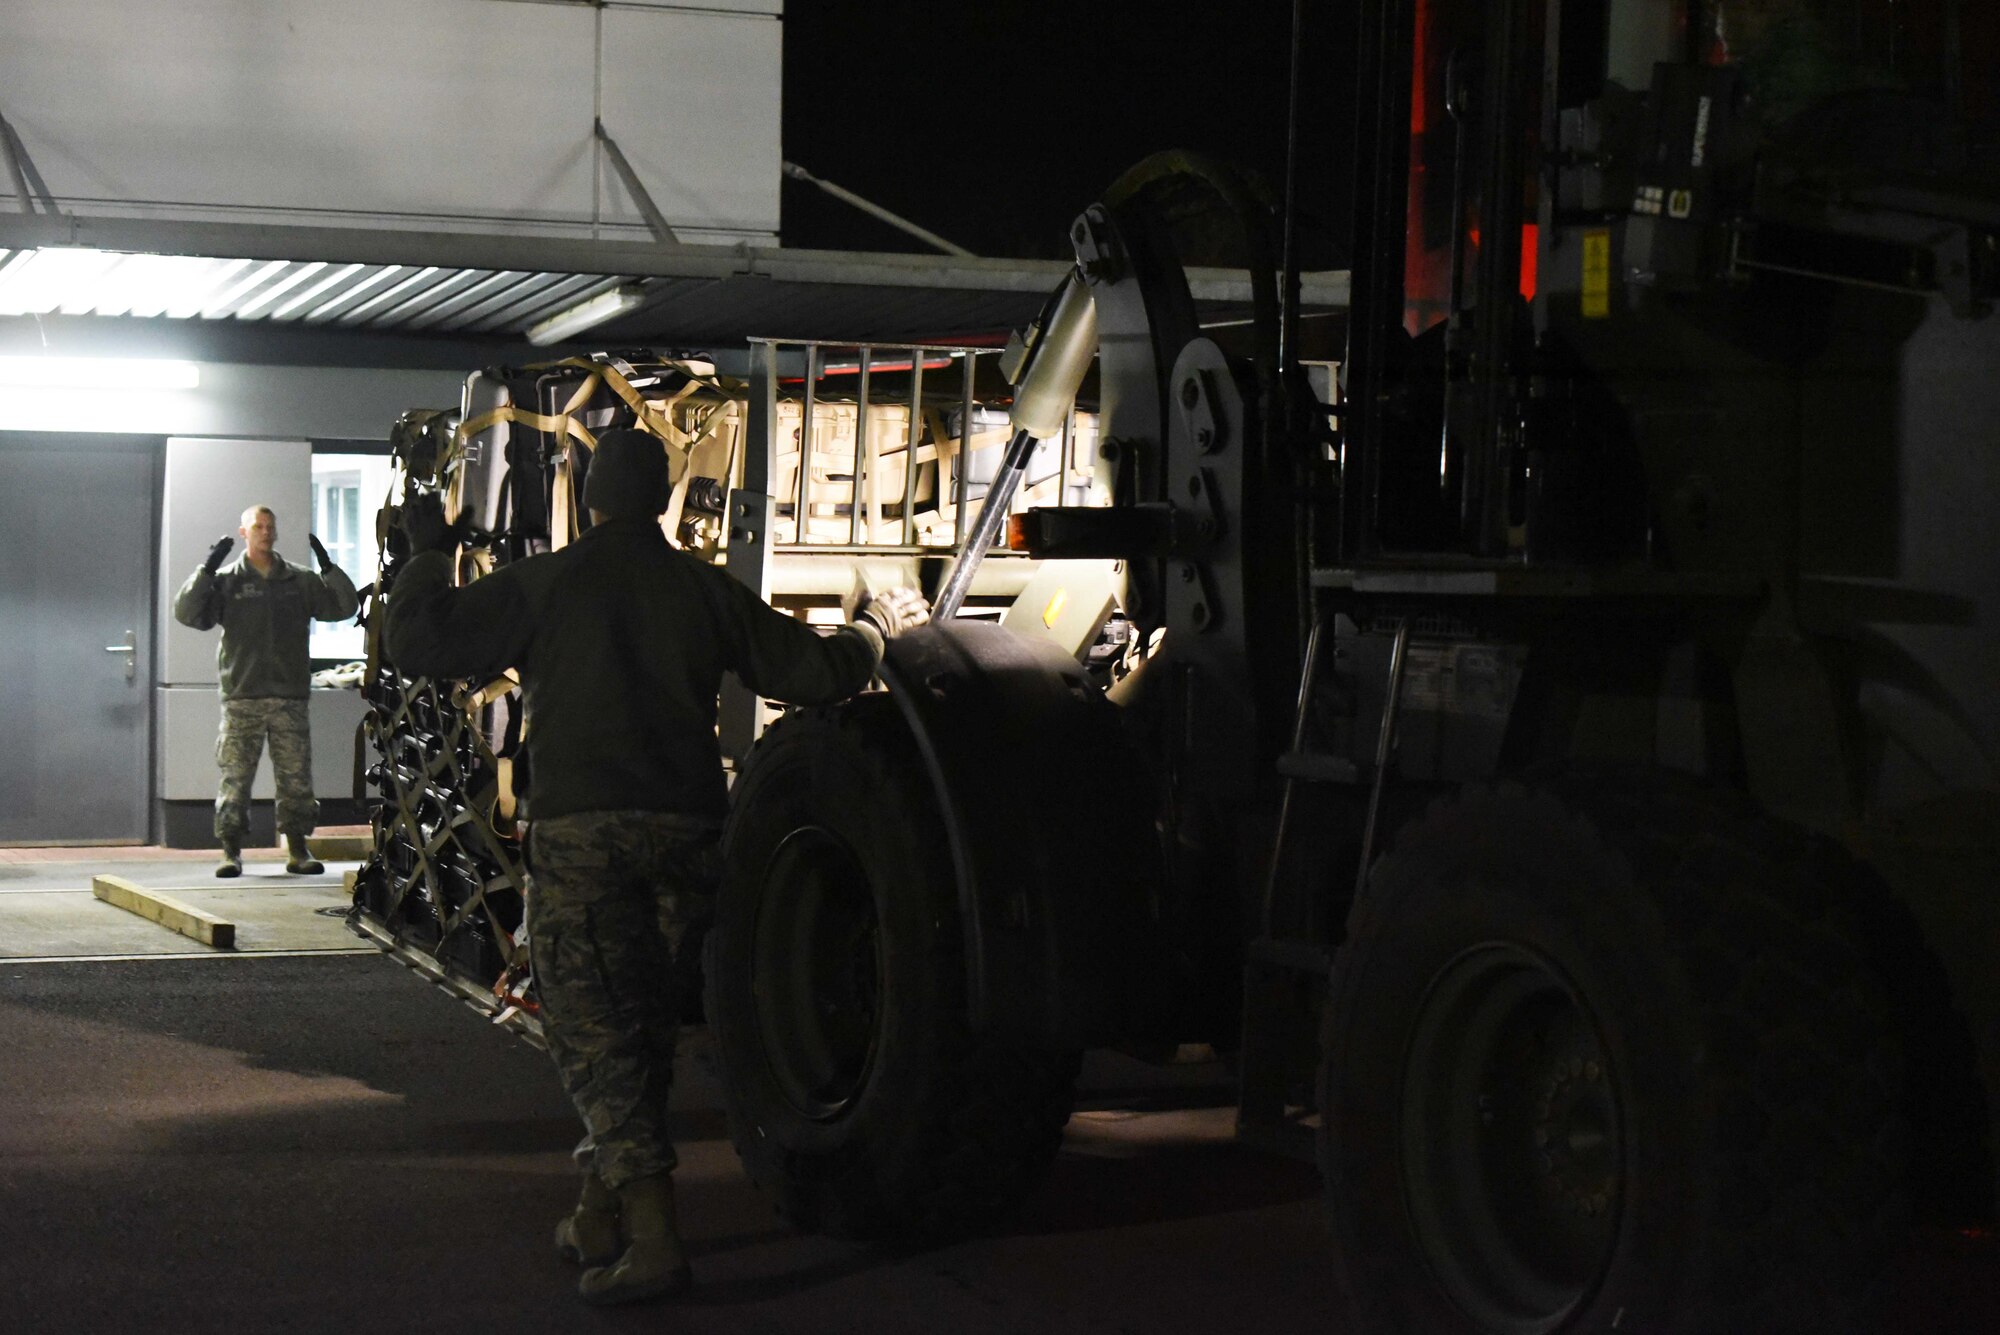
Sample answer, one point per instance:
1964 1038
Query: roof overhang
498 287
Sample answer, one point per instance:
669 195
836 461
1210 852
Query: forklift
1560 757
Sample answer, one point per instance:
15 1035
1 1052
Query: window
347 490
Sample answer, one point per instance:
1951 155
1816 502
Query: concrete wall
452 114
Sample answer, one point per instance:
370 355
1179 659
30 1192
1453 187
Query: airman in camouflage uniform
239 744
617 897
621 642
265 606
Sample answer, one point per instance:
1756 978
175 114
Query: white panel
442 113
693 100
335 716
190 715
208 485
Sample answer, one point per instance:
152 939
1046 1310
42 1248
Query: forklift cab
1546 188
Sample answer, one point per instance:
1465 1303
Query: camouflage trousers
245 726
613 899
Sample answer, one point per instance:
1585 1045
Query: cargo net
445 887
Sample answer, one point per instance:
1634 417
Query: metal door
76 535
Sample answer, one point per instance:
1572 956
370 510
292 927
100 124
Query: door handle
131 651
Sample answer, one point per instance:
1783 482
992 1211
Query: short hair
249 517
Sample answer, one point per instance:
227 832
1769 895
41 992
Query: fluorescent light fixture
114 373
585 315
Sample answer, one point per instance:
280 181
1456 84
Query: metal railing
801 381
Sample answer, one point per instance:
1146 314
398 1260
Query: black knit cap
628 475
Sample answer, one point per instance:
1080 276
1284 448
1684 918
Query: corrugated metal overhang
500 287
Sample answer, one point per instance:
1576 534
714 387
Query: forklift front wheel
858 1096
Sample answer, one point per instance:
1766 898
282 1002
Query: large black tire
1606 1056
857 1096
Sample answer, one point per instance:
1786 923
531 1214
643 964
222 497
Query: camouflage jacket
265 622
621 642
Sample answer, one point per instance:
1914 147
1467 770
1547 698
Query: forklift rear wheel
1606 1056
857 1097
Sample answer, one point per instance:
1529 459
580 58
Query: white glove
892 611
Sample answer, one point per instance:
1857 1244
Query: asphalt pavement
321 1143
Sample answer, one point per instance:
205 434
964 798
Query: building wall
452 114
242 436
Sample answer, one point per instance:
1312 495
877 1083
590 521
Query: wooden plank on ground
170 913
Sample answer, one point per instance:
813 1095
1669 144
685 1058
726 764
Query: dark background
995 122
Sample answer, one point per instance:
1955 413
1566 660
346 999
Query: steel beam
656 221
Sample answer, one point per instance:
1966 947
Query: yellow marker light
1054 609
1597 275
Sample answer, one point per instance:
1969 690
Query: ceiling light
585 315
100 373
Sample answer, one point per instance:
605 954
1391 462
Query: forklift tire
1606 1055
858 1099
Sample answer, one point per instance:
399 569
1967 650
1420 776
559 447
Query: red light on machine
1017 533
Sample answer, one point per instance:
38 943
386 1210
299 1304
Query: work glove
319 552
422 522
217 552
892 611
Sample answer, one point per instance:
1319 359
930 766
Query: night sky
995 122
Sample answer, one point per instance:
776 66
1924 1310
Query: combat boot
653 1264
232 858
299 859
588 1235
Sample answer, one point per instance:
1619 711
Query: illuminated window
347 490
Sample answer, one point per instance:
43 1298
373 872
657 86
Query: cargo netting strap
448 866
654 416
